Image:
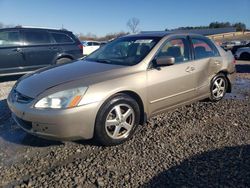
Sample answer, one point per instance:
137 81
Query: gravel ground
201 145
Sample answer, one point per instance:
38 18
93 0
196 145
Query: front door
11 56
171 85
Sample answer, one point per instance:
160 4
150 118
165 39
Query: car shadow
243 68
90 142
10 78
11 132
225 167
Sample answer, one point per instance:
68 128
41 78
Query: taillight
80 46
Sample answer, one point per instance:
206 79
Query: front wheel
218 87
117 120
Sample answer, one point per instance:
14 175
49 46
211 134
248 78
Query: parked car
90 46
24 50
244 44
113 90
230 44
243 53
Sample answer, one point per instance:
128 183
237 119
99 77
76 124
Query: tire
113 126
63 60
245 56
218 87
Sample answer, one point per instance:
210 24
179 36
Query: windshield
124 51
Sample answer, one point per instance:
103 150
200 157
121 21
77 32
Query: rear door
39 49
11 56
66 45
171 85
208 62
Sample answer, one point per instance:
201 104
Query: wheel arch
225 73
136 97
244 53
63 56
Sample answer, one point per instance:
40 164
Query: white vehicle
230 45
243 53
90 46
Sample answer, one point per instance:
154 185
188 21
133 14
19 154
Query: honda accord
118 87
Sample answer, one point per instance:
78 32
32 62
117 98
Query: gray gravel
201 145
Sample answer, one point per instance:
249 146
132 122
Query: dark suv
26 49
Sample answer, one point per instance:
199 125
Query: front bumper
66 124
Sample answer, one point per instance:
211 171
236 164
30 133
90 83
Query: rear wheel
117 120
63 60
218 87
245 56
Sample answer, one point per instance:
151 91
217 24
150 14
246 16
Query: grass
231 36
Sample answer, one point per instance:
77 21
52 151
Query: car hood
36 83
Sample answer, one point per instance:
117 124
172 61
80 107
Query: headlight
63 99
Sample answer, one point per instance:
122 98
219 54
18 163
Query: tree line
107 37
133 26
213 25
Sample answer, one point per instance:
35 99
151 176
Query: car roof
35 28
162 34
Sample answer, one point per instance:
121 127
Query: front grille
18 97
25 124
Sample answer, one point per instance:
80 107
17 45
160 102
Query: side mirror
165 61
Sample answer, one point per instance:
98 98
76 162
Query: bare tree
107 37
133 24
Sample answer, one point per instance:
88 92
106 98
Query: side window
177 48
62 38
36 37
203 49
96 44
89 44
9 38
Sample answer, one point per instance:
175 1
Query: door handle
192 68
20 51
189 69
53 48
217 63
17 50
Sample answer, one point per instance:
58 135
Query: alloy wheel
120 121
219 88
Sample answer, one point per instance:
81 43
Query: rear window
37 37
96 44
9 38
204 49
62 38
